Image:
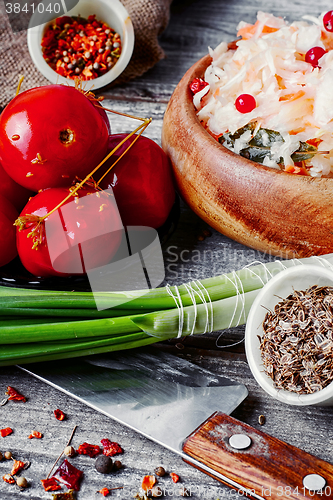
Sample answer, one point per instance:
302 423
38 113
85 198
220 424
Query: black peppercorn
103 464
160 471
117 465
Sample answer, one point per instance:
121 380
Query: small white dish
280 286
110 11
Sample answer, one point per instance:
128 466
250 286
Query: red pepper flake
8 479
197 84
50 484
59 415
89 449
69 475
111 448
175 478
14 395
104 491
81 48
5 432
36 434
17 467
148 482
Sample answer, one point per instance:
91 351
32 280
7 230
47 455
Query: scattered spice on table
297 344
69 451
59 415
69 495
104 491
262 419
22 482
160 471
61 454
14 395
103 464
156 492
50 484
8 478
68 475
89 449
76 47
117 465
148 482
6 431
36 434
111 448
175 478
18 466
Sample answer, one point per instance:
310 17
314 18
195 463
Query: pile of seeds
297 345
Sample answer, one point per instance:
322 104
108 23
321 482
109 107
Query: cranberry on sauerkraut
269 98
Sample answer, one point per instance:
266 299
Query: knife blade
186 408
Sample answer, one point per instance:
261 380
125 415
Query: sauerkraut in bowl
269 95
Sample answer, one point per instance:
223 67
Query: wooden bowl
269 210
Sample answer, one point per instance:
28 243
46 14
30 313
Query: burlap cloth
149 18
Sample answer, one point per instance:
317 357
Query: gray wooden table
194 25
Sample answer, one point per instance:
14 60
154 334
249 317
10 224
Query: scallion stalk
226 313
38 325
45 332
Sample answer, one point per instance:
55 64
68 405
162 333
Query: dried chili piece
8 479
175 478
89 449
69 475
111 448
104 491
5 432
148 482
69 495
50 484
14 395
17 467
36 434
59 415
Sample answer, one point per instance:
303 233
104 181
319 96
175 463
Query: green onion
38 325
226 314
65 330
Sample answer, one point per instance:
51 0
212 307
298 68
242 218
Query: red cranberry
245 103
328 20
313 55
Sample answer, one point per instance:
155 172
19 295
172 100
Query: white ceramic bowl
283 284
110 11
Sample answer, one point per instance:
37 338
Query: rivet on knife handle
269 467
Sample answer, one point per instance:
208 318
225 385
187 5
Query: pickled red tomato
8 215
141 181
92 220
49 135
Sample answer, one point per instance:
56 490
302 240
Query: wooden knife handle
270 468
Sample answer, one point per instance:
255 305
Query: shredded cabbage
293 97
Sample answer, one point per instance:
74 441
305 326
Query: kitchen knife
186 409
